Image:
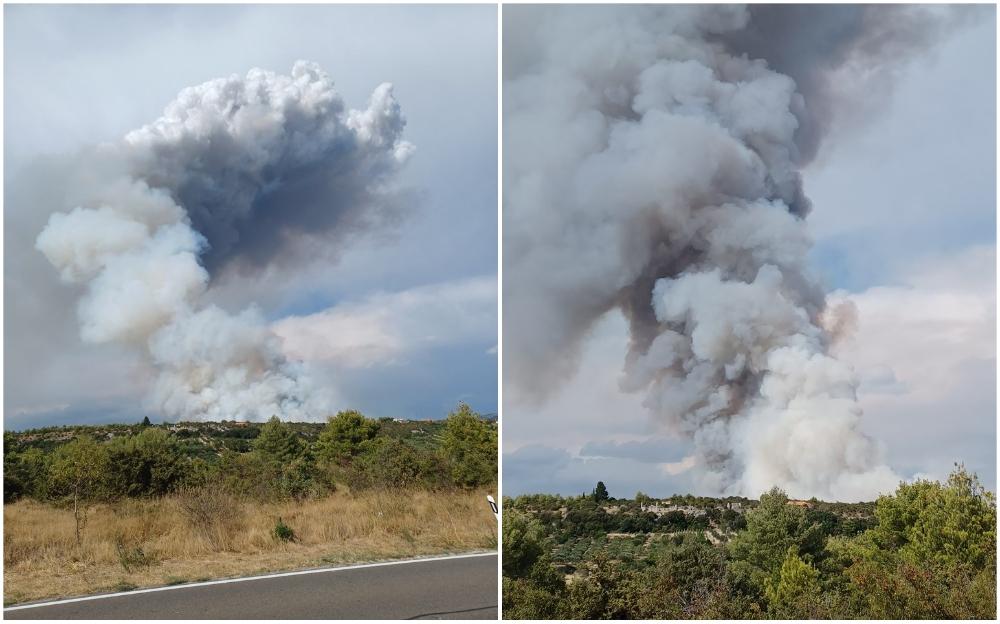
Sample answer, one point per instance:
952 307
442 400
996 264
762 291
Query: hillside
927 551
580 529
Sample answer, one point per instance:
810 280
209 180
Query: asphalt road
461 587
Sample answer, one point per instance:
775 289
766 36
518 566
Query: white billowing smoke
651 166
242 172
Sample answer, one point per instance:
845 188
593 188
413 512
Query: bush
149 464
523 600
282 532
386 463
25 474
213 514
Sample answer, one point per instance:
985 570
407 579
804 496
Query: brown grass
197 536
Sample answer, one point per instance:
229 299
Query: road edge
257 577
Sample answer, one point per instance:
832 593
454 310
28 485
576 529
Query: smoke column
239 172
651 165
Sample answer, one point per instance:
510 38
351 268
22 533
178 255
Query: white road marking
248 578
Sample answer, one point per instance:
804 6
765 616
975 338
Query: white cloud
537 468
925 351
680 467
589 406
918 333
384 328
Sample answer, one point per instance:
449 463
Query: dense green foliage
470 448
926 551
268 461
344 436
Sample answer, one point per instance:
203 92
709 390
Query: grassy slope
149 543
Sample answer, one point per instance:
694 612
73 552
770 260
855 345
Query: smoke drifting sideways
651 165
238 172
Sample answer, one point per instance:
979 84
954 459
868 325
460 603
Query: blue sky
79 75
904 224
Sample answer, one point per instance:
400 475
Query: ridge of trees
927 551
350 450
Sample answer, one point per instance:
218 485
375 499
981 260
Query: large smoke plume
240 172
651 166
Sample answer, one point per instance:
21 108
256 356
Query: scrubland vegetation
926 551
148 505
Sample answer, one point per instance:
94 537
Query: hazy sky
410 314
904 223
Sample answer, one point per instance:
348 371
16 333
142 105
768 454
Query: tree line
351 450
928 552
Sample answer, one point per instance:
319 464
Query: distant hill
578 527
210 439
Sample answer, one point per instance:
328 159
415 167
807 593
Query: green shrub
386 463
148 464
282 532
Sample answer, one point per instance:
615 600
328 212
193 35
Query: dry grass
197 536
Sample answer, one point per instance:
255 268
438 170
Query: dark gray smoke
241 170
841 57
651 165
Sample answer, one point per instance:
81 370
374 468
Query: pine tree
345 436
277 442
795 593
600 492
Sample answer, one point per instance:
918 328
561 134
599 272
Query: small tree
277 442
794 593
78 471
600 492
469 443
344 435
758 553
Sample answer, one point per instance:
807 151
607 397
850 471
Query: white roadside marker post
493 506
